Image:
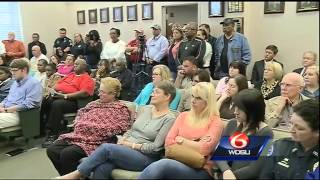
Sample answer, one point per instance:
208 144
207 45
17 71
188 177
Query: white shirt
207 55
41 77
113 50
2 48
34 63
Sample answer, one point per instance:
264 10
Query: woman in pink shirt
199 129
68 66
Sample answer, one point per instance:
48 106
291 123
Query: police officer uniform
195 47
287 159
63 43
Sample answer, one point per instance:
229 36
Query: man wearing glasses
63 43
25 93
280 108
36 42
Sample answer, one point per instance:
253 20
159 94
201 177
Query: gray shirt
150 131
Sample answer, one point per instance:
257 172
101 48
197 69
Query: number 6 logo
239 140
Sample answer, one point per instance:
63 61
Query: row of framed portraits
132 14
216 8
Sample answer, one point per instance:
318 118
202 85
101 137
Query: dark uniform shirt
195 47
38 43
288 160
212 41
63 43
78 49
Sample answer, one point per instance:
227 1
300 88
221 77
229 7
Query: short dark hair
203 75
36 34
191 59
168 88
62 29
45 62
20 64
5 70
204 33
239 65
251 101
52 66
117 31
308 110
241 82
273 48
206 26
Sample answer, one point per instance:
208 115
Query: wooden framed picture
92 16
303 6
147 11
271 7
238 23
216 9
117 14
132 13
81 17
235 6
104 15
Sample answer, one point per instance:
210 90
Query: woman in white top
114 48
202 34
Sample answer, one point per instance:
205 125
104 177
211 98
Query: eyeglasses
288 85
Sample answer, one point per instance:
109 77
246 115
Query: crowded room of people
159 90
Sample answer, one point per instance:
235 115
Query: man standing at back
14 48
229 47
62 43
35 41
192 46
211 40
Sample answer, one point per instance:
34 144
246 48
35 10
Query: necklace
266 90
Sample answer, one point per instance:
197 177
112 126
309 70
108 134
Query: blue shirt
314 95
26 94
157 47
238 49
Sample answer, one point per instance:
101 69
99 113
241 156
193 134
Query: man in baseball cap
132 49
156 26
227 21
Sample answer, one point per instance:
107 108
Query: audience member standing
36 42
173 62
36 52
14 48
192 46
94 48
133 48
211 40
62 45
230 46
309 59
258 67
202 34
114 48
79 47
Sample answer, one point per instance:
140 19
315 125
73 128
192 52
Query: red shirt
74 83
15 47
134 43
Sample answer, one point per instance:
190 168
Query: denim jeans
110 156
172 169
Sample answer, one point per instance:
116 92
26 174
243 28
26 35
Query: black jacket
195 47
258 69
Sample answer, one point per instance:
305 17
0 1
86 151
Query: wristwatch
65 96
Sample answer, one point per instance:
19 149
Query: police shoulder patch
270 150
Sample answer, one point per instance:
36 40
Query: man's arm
246 53
200 54
43 48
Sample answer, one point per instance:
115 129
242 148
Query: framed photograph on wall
147 11
104 15
132 13
216 9
235 6
271 7
92 16
303 6
238 23
81 17
117 14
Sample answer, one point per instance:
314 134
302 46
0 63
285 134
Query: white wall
183 14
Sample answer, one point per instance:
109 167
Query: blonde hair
312 53
206 91
276 68
111 84
164 72
315 68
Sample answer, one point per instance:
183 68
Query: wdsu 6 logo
239 146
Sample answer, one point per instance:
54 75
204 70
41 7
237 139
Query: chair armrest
30 122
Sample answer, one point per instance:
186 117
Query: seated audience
140 146
259 66
102 71
309 59
186 72
199 130
36 42
3 61
51 80
270 85
185 101
14 48
279 108
133 48
95 124
235 68
79 47
125 76
5 82
37 55
173 62
54 59
94 48
311 80
67 67
159 73
114 48
41 74
249 119
296 157
67 90
25 93
225 102
202 34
